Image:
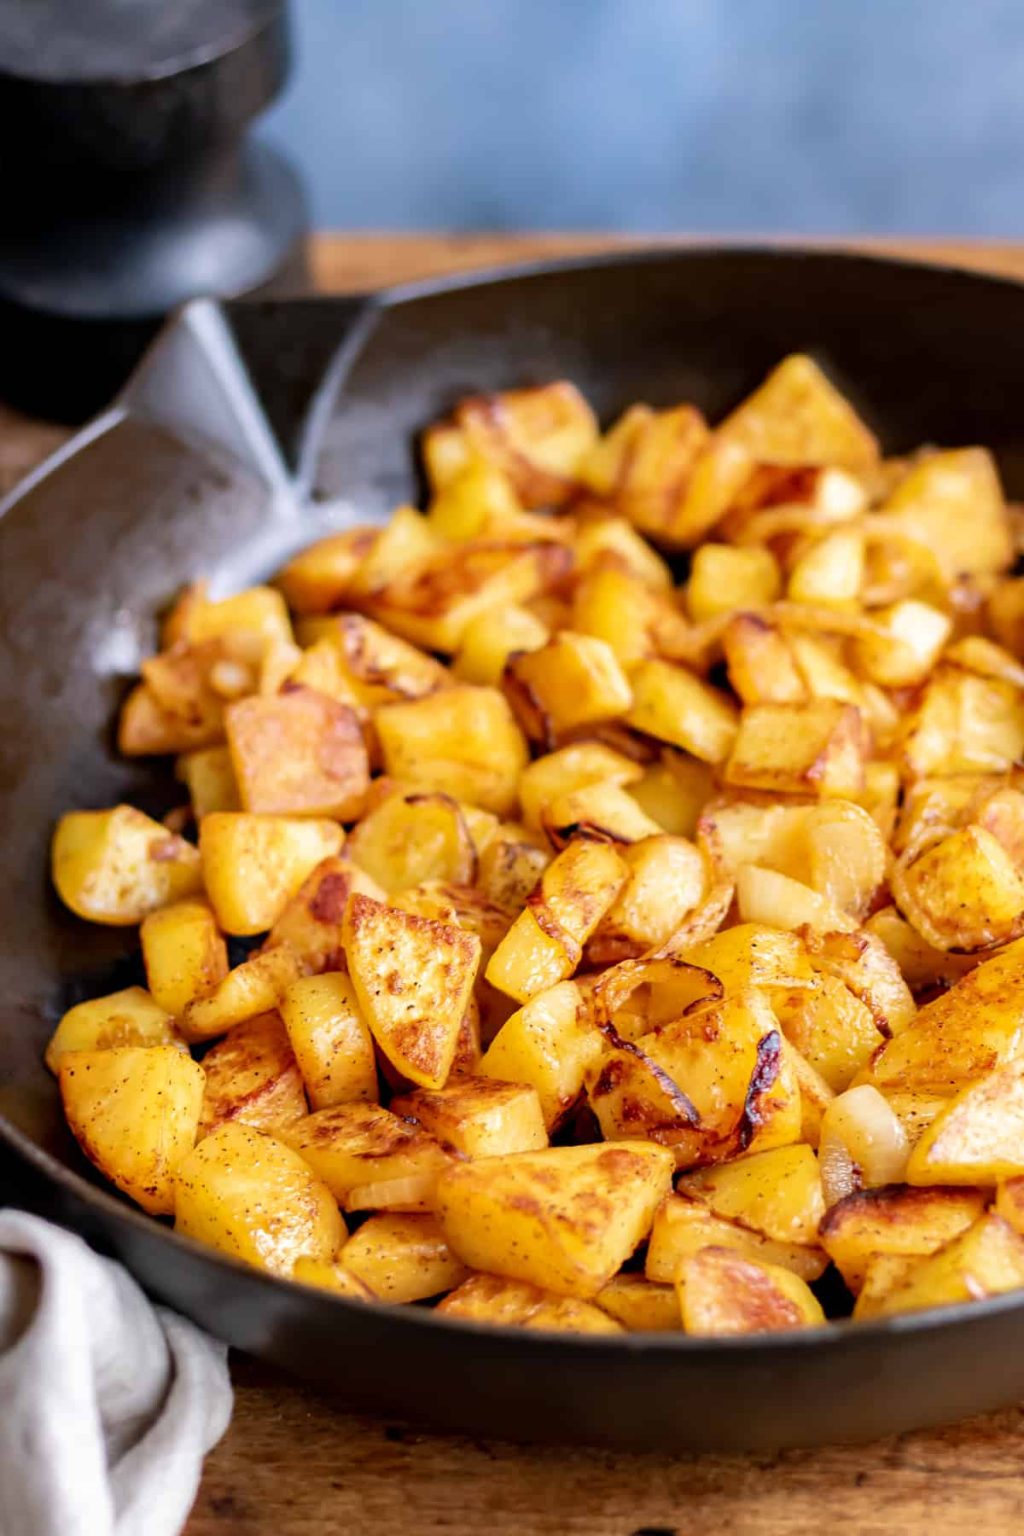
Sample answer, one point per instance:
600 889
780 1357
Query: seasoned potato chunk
797 417
408 839
117 866
254 865
319 578
952 504
979 1138
722 1293
817 748
515 1304
331 1039
413 978
985 1260
310 923
134 1111
129 1017
210 780
565 1218
331 1275
546 1044
557 774
678 708
490 638
356 1146
184 954
777 1193
401 1257
894 1220
256 986
299 753
462 741
256 1200
573 680
683 1227
724 578
252 1077
640 1306
478 1116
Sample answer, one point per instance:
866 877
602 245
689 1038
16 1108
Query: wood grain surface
295 1463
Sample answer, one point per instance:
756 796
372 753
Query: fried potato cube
571 768
252 1077
897 1220
1010 1202
402 1257
724 577
831 570
817 748
413 978
573 680
760 662
406 840
627 613
905 651
146 729
514 1304
546 1044
986 1260
117 866
952 504
134 1111
319 577
405 540
331 1039
752 955
298 754
490 638
129 1017
831 1029
565 1218
863 963
331 1275
765 896
676 707
464 905
667 881
797 417
478 499
649 463
673 791
210 780
640 1306
963 892
979 1138
253 865
510 867
604 542
537 437
355 1146
379 667
478 1116
462 741
920 963
721 1293
251 620
599 812
963 1034
256 986
310 923
776 1193
965 724
682 1227
182 682
256 1200
184 954
545 943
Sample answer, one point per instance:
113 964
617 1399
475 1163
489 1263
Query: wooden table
297 1464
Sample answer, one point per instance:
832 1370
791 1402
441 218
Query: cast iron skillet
185 476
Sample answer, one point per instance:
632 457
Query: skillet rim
830 1337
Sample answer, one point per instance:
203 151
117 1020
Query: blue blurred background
813 116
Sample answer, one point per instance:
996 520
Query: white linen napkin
107 1403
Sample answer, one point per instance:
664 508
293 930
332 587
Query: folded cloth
107 1403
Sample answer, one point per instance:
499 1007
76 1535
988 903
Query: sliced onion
863 1143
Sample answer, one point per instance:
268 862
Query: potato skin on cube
129 1017
256 1200
253 865
298 753
413 978
721 1293
134 1111
117 866
565 1218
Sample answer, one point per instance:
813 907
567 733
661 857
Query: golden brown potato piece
683 1227
602 813
640 1306
250 620
964 724
253 865
831 1029
674 706
545 943
761 664
985 1260
256 986
413 978
963 892
514 1304
299 753
724 578
667 881
210 780
571 768
405 840
134 1111
565 1218
356 1146
331 1039
319 577
184 954
721 1293
817 748
117 866
129 1017
952 504
979 1138
379 667
401 1257
547 1044
255 1199
797 417
461 741
894 1220
331 1275
252 1077
573 680
489 640
478 1116
776 1193
310 923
